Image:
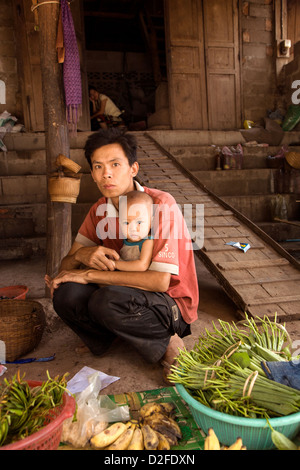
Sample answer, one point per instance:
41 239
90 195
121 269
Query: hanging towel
71 69
286 373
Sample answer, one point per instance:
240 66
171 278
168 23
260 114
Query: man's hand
75 275
97 257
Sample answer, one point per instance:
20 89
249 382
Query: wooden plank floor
263 281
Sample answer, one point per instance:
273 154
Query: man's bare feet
170 356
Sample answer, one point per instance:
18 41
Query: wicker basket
293 159
67 163
64 189
22 324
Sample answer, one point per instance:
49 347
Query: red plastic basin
14 292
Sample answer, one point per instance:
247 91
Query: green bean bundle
223 370
24 409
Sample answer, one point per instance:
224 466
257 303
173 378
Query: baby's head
135 215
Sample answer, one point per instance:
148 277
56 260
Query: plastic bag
232 157
93 414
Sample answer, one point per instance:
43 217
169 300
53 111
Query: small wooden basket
293 159
64 189
22 323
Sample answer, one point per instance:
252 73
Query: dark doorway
125 52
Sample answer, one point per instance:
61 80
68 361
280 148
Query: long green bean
215 378
24 409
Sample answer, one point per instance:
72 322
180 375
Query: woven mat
192 436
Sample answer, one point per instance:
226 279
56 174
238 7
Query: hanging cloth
71 69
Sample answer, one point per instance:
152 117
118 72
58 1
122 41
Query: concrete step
204 157
237 182
280 231
286 234
292 247
261 208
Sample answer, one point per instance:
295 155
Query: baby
135 218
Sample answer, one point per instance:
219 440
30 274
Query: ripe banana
150 408
159 422
163 443
137 441
155 429
108 435
162 429
211 442
150 437
124 440
168 407
237 445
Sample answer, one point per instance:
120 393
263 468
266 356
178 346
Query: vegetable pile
24 409
224 369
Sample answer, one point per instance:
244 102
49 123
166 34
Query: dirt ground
121 360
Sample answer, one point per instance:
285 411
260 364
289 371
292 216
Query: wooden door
202 38
185 64
29 67
221 39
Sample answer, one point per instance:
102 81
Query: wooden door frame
194 45
204 103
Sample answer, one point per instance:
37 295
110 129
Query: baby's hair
138 197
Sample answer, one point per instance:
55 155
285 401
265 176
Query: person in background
104 112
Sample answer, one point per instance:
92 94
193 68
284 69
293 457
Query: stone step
237 182
260 208
281 231
204 157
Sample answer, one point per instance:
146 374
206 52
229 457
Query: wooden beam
59 235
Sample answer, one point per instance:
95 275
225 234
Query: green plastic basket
255 433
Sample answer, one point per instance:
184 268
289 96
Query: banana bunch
154 430
159 428
212 442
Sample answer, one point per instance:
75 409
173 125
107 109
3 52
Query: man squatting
152 309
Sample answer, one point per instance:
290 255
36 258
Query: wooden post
59 235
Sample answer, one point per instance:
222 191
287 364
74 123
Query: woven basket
64 189
67 163
293 159
22 323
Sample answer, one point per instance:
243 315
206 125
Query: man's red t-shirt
172 249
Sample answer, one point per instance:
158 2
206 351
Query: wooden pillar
59 235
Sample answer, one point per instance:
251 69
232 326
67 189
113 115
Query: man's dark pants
98 315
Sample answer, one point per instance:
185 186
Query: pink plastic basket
48 437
